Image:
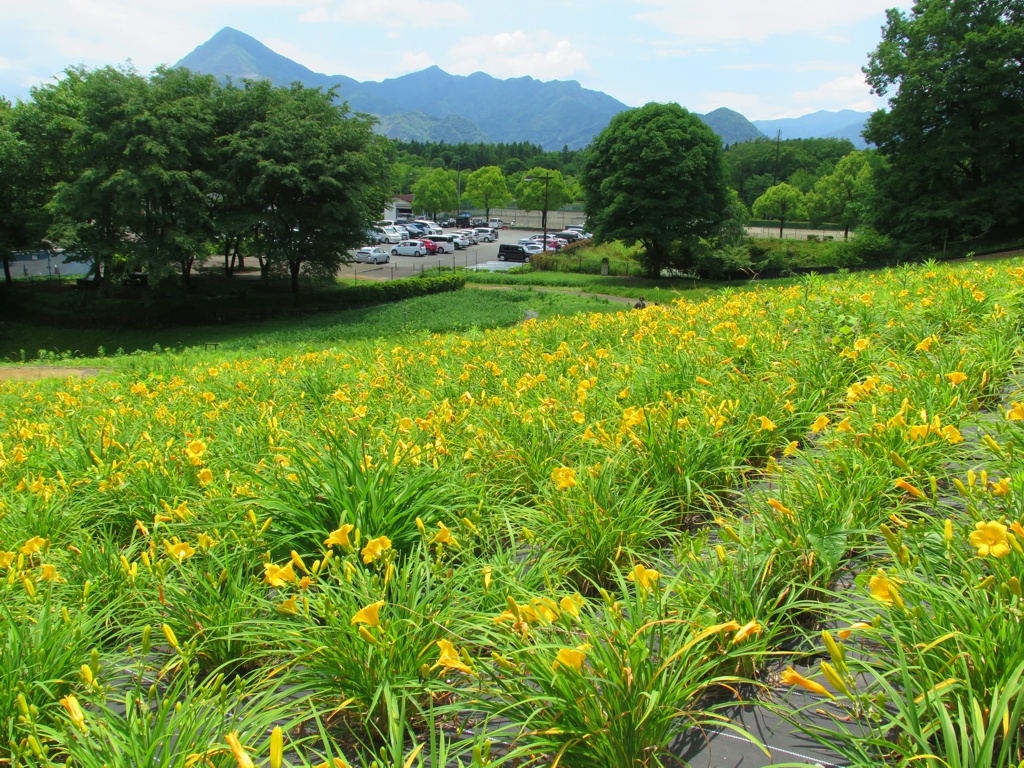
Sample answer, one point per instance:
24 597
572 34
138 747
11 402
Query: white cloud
847 92
753 20
422 13
515 54
318 15
414 61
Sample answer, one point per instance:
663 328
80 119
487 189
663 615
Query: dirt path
35 372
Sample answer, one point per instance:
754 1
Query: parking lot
481 256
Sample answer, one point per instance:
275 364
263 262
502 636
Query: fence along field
564 543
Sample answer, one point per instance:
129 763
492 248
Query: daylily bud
146 630
834 650
834 678
172 639
276 747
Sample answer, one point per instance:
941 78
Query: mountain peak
234 54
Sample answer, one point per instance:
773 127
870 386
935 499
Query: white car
533 248
485 235
392 235
461 241
432 227
372 254
409 248
469 234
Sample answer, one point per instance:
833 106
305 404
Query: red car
429 246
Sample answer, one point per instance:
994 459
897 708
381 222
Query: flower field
561 544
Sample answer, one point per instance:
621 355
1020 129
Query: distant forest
750 167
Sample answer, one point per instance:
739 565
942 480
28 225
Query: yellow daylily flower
792 677
780 508
956 377
34 545
195 451
844 634
449 658
767 425
375 548
180 550
564 477
241 757
820 423
1002 488
571 604
1016 413
791 449
882 587
70 703
370 615
644 577
913 490
989 538
277 575
444 536
751 628
288 607
340 536
6 558
572 658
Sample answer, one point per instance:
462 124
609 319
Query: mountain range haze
433 105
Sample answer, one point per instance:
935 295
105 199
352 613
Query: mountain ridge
434 105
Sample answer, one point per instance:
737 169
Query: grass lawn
457 311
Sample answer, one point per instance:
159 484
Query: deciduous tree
539 195
782 202
954 74
842 196
435 192
486 188
654 176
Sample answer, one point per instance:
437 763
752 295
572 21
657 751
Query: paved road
36 268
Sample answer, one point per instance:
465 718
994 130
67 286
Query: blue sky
766 60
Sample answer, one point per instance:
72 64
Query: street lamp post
544 213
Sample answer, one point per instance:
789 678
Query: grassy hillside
577 540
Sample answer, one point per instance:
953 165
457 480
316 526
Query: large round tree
952 136
654 176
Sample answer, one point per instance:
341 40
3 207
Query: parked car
415 229
509 252
461 241
469 234
444 243
447 223
570 235
410 248
496 224
372 254
534 248
392 235
485 234
430 227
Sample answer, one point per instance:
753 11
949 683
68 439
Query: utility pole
778 148
544 214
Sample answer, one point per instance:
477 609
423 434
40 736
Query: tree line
156 173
